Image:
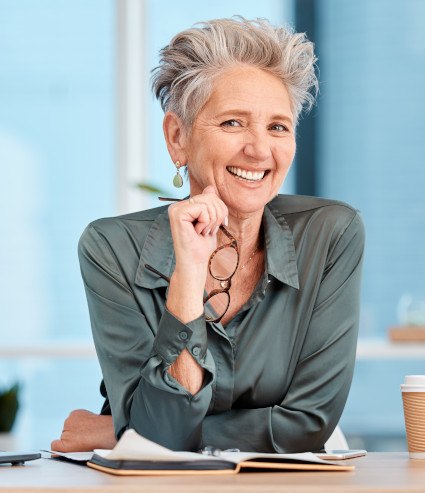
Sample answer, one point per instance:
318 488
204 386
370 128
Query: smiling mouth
247 175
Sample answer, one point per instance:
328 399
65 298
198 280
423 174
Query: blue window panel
57 146
371 154
57 161
372 63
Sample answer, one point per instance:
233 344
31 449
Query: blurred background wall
79 128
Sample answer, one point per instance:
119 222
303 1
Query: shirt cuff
174 336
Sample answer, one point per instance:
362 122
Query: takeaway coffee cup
413 393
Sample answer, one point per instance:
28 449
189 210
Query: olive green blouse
276 377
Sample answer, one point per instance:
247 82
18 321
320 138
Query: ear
175 137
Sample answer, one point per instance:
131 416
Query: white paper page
133 446
77 456
238 457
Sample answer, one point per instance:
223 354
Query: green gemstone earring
178 180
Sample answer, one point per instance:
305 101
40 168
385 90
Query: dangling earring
178 180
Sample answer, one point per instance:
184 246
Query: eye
278 127
231 123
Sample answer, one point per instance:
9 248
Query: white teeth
247 175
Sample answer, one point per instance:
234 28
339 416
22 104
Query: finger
203 221
71 446
225 221
210 189
224 213
218 213
190 210
217 209
58 446
81 412
206 212
212 213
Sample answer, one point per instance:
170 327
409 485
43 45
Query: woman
272 371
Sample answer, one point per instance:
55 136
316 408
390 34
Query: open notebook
136 455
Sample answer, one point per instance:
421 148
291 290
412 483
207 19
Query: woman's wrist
191 273
186 293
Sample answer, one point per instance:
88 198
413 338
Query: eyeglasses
222 266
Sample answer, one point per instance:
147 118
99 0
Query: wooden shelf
407 334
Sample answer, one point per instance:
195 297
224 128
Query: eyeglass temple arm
169 199
152 269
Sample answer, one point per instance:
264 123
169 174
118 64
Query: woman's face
242 141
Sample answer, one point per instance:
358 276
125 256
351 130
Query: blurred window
68 157
370 153
371 140
57 145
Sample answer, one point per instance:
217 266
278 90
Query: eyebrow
247 113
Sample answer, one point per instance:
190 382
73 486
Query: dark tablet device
18 458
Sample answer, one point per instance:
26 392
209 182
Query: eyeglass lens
223 263
216 306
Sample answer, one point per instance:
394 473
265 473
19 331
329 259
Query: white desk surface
375 473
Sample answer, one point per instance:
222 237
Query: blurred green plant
151 189
9 405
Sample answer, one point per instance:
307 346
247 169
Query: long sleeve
319 387
135 350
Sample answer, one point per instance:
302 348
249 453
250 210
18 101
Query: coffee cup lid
413 383
414 380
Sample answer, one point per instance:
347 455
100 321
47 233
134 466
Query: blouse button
183 335
196 350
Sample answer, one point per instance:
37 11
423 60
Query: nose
257 146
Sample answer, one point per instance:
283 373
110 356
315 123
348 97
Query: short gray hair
188 66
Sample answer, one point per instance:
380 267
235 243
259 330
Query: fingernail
215 230
207 232
226 221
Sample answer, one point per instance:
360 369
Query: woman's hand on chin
194 225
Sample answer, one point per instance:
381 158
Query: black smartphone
18 458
